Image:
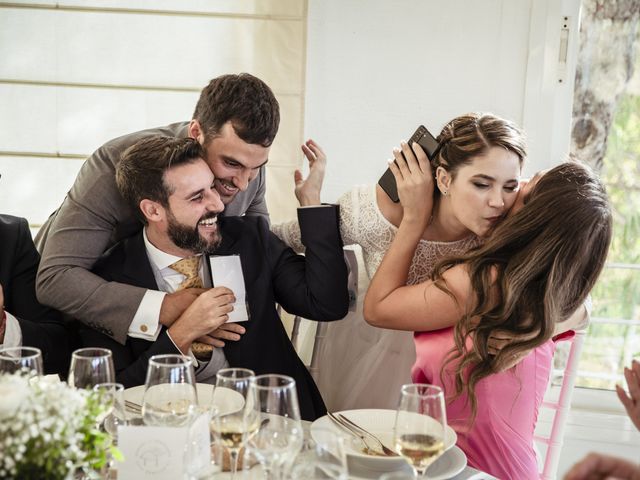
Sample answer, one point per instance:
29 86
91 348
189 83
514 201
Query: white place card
158 453
226 271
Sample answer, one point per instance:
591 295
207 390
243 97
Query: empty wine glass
24 359
273 406
230 426
170 397
91 366
421 421
321 457
112 398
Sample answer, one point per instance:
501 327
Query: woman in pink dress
522 286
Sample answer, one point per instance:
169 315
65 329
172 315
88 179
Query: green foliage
617 295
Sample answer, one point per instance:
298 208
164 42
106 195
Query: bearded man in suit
235 120
170 185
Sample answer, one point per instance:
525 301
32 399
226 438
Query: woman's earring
444 192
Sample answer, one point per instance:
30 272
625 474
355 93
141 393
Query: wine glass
421 421
321 457
170 396
273 406
25 359
91 366
112 398
230 426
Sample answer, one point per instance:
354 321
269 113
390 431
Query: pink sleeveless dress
500 441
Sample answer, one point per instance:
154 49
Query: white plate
450 464
225 399
380 423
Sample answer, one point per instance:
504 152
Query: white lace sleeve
349 217
349 202
289 233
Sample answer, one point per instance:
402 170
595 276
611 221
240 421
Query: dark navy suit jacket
313 286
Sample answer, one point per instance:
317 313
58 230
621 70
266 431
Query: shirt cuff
146 322
188 354
12 333
324 205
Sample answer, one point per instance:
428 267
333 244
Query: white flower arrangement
48 429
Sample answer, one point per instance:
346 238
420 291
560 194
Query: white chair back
561 410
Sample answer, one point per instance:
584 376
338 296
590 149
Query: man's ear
195 131
443 179
153 211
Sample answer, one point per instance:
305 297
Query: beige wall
77 73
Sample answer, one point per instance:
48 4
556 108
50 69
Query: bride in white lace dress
477 173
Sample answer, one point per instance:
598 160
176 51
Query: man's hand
308 190
204 315
596 466
174 304
631 402
226 331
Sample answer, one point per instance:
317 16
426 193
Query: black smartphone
428 143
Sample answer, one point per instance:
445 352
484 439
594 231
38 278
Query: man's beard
188 238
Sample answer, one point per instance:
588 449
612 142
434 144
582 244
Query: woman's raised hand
414 178
308 189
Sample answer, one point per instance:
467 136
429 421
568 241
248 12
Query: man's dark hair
245 101
140 172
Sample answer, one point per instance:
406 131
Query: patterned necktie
190 268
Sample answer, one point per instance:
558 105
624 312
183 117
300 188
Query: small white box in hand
226 271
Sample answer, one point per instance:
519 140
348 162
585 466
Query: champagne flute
91 366
112 397
170 396
25 359
230 426
273 405
420 425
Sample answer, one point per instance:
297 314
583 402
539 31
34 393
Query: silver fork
369 449
133 407
368 434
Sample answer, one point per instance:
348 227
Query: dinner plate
379 422
225 399
450 464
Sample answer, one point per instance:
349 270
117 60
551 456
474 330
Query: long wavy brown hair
535 270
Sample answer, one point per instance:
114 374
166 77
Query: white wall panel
377 69
76 74
34 187
271 8
79 120
146 50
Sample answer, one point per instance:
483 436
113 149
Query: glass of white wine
231 426
421 422
170 397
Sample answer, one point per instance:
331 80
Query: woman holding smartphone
522 285
477 172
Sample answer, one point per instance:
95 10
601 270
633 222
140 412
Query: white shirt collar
157 257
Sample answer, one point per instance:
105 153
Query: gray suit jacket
92 218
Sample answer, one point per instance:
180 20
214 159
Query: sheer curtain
77 73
